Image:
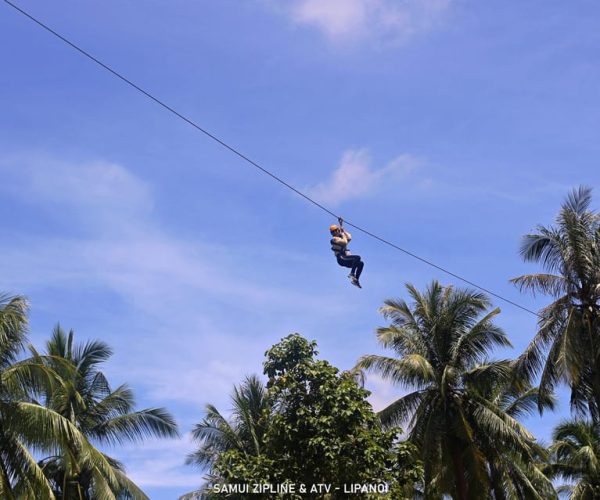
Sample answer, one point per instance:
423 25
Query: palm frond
411 370
13 327
401 410
473 345
548 284
136 426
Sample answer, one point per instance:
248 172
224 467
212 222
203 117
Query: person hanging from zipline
339 245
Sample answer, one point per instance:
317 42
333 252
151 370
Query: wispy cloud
123 247
387 21
160 463
355 178
383 392
100 194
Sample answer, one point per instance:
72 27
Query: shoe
355 282
351 276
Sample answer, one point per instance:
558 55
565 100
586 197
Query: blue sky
451 127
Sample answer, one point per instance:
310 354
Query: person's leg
359 267
344 261
355 260
351 261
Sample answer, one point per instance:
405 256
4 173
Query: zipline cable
252 162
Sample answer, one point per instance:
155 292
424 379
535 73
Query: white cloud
225 362
388 21
100 184
105 192
160 463
123 248
383 392
336 18
354 177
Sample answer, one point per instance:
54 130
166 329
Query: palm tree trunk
427 479
595 412
462 491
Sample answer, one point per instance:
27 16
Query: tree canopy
317 428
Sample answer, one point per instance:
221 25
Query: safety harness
339 249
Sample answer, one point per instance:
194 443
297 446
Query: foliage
567 344
23 425
576 458
231 443
103 415
326 419
317 428
287 355
513 476
441 343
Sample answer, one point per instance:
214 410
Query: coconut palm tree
17 464
25 425
566 347
441 343
103 415
242 432
576 458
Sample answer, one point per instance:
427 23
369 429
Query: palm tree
242 432
567 344
26 426
441 343
576 458
103 415
17 464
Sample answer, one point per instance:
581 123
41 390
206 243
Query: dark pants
352 261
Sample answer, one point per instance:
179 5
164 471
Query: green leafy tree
317 428
576 458
441 343
566 347
325 417
103 415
